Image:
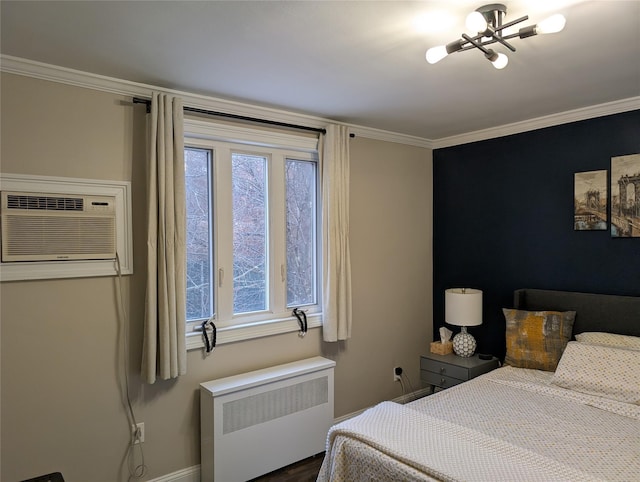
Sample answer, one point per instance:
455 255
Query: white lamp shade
463 307
476 22
553 24
501 62
436 54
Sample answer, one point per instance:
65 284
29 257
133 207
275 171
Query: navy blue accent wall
503 219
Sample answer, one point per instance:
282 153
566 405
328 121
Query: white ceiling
357 62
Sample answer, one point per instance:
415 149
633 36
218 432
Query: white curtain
336 324
164 351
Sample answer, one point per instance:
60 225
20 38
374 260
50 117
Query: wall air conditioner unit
57 227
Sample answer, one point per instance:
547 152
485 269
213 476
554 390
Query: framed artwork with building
590 201
625 196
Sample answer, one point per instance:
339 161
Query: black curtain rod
147 102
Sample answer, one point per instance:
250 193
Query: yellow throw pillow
536 339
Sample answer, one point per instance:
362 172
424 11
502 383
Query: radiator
257 422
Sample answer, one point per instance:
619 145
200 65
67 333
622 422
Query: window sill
248 331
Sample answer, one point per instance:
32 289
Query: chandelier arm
475 43
499 28
504 42
495 36
467 43
469 46
510 36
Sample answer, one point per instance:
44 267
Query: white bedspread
508 425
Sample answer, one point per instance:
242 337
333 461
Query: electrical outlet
137 432
397 374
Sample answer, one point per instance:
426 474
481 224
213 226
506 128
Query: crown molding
600 110
54 73
378 134
87 80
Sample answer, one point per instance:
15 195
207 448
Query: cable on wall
135 471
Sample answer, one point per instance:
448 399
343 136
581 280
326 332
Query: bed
575 417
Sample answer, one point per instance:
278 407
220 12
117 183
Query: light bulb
436 54
501 61
476 22
555 23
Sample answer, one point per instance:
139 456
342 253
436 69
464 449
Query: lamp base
464 344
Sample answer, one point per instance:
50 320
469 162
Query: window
252 230
199 254
250 236
302 221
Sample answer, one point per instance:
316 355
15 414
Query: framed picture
590 201
625 196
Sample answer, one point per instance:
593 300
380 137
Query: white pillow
609 339
603 371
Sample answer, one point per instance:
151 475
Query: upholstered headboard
594 312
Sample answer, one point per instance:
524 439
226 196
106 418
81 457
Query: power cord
401 378
404 394
411 391
135 471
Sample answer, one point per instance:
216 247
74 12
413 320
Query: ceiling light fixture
487 22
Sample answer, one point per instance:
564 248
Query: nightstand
445 371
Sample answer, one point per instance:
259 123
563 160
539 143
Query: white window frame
223 139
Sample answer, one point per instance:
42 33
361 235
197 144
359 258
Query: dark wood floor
304 471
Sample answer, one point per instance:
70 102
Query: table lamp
463 307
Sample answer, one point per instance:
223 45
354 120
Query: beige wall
62 404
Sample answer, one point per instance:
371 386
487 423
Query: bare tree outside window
301 222
249 189
199 263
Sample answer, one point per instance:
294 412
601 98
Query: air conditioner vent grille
61 238
45 203
57 227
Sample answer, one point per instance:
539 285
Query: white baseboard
192 474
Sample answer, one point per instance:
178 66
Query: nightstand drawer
444 369
439 380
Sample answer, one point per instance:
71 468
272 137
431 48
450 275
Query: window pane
249 233
301 232
198 198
